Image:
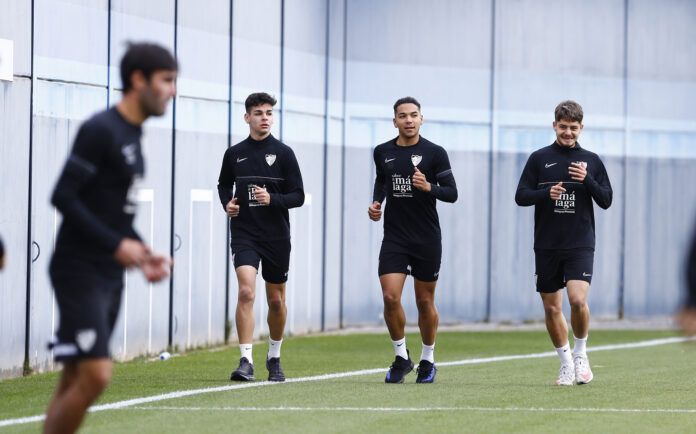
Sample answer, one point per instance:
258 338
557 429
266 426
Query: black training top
567 223
269 164
95 192
691 274
410 216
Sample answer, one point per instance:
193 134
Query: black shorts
274 257
422 261
88 306
556 267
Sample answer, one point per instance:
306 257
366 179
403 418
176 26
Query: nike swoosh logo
549 165
386 160
586 275
239 160
398 345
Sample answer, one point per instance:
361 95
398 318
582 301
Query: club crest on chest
416 159
270 159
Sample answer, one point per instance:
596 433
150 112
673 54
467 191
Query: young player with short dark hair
259 182
96 241
412 174
561 181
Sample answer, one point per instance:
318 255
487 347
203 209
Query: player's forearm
293 199
528 196
378 192
602 194
225 194
66 200
446 190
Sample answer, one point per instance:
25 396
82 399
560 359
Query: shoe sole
402 378
236 376
585 381
432 380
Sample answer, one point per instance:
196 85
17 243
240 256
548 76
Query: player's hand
557 190
419 181
131 252
577 171
262 195
375 211
686 318
2 261
232 208
156 267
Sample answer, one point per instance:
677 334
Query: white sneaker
566 375
583 373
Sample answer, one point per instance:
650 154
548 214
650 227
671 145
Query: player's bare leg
277 310
394 316
555 320
558 332
244 315
68 377
428 317
580 320
244 319
277 313
69 408
579 311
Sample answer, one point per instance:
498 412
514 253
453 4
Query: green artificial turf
493 396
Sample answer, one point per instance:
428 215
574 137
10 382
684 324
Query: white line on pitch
183 393
418 409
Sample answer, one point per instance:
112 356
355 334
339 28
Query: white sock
580 347
246 352
274 348
400 348
564 354
427 353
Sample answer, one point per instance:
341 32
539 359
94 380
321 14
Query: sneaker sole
402 378
584 381
236 376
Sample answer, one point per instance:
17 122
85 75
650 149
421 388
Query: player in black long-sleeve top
259 181
2 254
96 241
687 315
412 174
561 181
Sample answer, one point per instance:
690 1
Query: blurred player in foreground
96 195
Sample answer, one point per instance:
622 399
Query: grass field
636 389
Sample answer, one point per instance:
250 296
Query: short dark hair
569 110
406 100
258 98
147 58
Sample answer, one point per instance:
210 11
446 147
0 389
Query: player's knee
246 294
390 300
577 303
424 304
552 310
275 304
94 381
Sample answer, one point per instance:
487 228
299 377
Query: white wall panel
14 202
71 40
